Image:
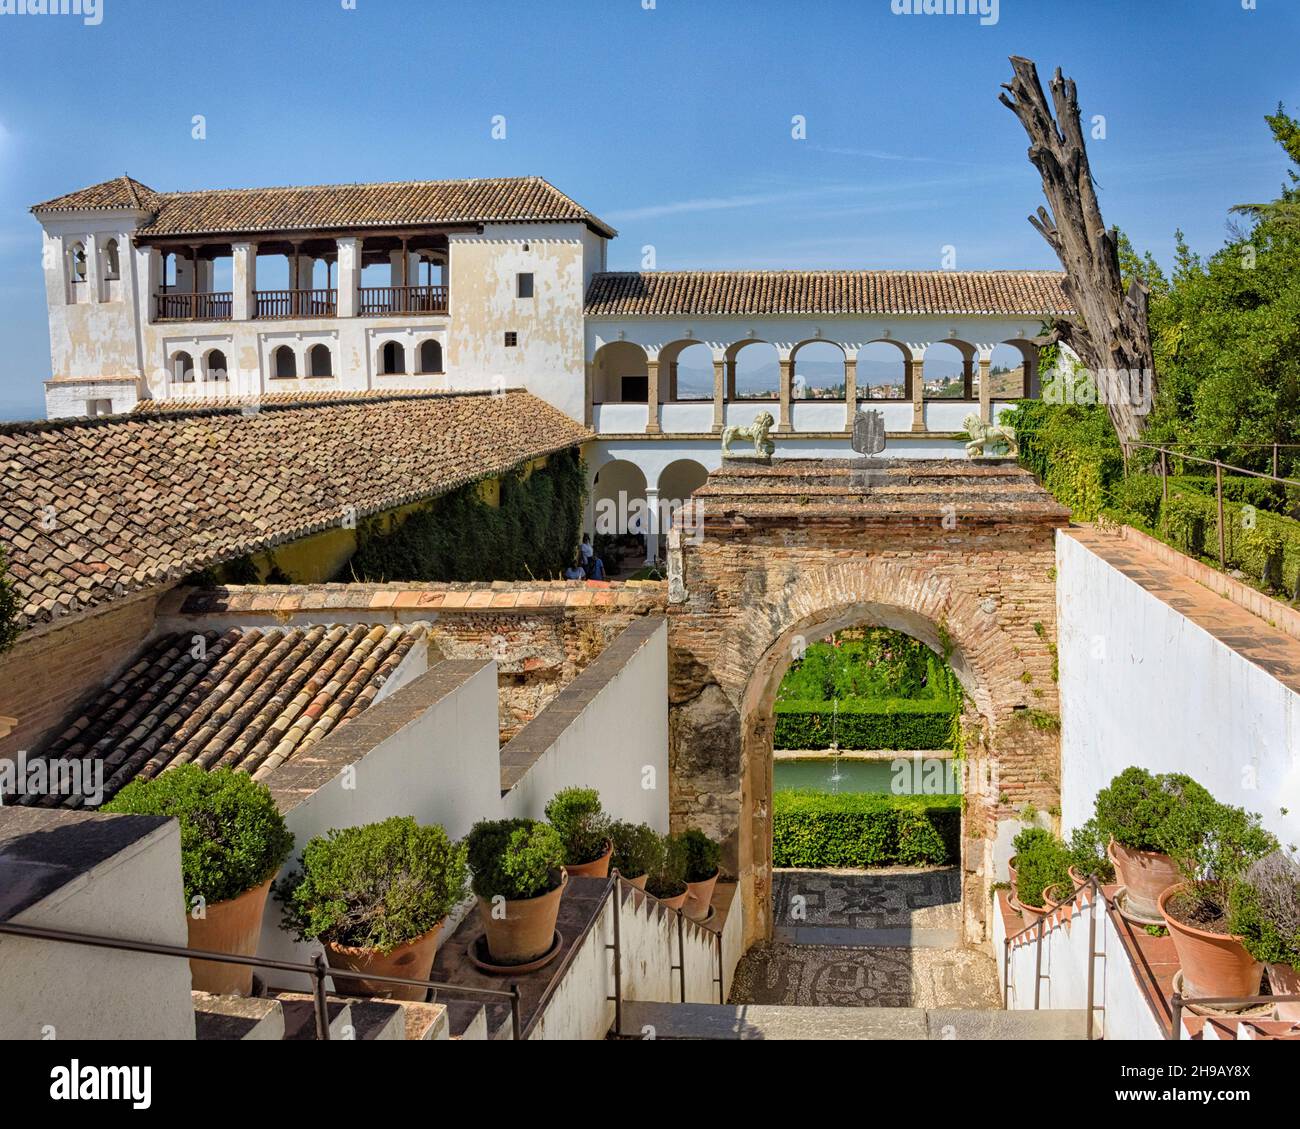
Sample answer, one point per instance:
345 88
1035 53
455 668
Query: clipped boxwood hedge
896 724
812 830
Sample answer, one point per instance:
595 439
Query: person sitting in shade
575 571
595 568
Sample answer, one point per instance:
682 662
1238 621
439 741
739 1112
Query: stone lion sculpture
759 433
984 435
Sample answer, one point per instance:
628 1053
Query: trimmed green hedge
895 724
812 830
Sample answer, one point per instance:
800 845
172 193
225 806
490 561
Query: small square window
524 285
512 339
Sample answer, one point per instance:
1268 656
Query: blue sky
673 123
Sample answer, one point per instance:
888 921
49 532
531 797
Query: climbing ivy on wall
9 629
533 533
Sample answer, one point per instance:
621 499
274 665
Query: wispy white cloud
882 155
725 203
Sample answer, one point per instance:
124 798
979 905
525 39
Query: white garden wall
1122 1011
1143 684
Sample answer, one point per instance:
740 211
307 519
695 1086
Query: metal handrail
615 882
1093 885
1220 464
318 970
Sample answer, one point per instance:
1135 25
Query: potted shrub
638 850
517 868
583 827
668 881
1042 869
1214 845
702 856
1131 812
1088 858
1264 910
233 840
376 897
1027 838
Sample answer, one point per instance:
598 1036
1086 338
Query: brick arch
882 593
958 625
813 547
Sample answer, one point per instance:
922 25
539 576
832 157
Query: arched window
431 357
183 368
215 368
285 363
112 262
77 262
392 359
319 361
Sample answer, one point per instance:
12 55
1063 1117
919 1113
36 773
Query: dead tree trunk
1108 329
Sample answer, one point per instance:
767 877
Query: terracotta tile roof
95 509
120 192
275 399
257 698
233 211
724 293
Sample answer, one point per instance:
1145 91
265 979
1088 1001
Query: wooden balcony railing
193 307
282 304
372 300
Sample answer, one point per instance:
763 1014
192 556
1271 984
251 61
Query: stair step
237 1018
773 1021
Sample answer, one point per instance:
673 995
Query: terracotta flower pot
232 926
1214 964
597 868
527 928
1057 895
1078 879
677 900
412 959
1029 914
639 881
1011 870
1146 874
699 898
1284 980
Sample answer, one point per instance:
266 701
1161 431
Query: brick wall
49 672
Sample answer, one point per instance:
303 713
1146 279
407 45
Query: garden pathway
879 938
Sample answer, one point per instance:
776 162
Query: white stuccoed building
501 283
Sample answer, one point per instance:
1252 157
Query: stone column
652 523
719 396
850 392
349 275
94 268
787 394
918 394
652 398
243 280
986 390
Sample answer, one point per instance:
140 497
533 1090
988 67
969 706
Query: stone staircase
770 1021
291 1016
